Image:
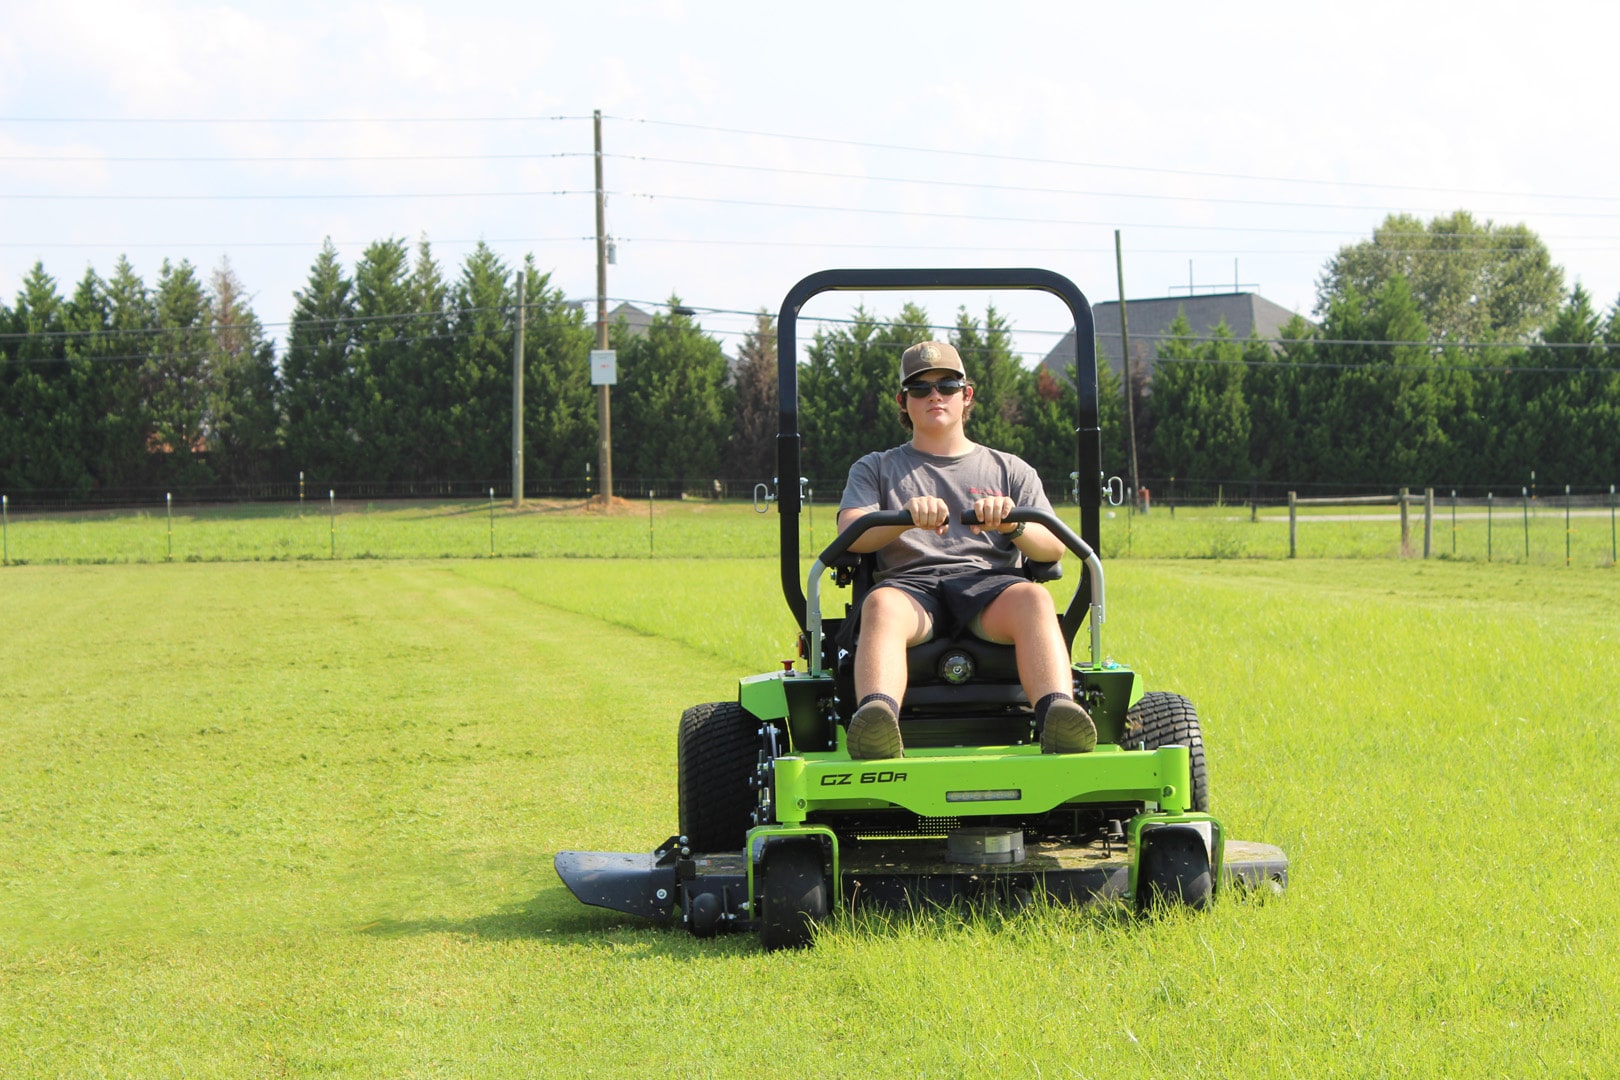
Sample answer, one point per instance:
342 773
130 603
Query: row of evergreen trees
1370 399
391 374
395 374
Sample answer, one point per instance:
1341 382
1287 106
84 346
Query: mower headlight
993 795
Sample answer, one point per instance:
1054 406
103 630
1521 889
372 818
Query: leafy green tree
472 408
90 350
390 412
1200 416
998 379
1605 420
1281 388
122 456
10 373
559 412
751 449
1566 397
40 388
1376 417
243 413
414 378
322 393
672 409
1469 281
847 404
839 378
175 376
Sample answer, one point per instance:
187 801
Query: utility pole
1125 346
517 394
604 422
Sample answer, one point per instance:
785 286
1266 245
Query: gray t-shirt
885 479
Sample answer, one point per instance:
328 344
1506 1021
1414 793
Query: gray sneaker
874 732
1068 730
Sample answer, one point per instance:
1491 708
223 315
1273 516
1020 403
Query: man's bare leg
891 621
1024 616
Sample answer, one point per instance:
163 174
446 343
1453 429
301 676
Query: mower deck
886 873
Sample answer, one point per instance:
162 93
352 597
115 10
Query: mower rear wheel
1164 719
1174 869
794 894
718 751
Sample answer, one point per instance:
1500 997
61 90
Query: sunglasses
946 387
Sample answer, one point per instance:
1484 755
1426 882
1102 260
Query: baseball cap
930 356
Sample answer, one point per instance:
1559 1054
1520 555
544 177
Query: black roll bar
1088 432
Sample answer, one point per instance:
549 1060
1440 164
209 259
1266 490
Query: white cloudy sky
749 144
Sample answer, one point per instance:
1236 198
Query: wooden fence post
1293 525
1428 520
1406 525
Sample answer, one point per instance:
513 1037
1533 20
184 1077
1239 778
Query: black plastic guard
635 884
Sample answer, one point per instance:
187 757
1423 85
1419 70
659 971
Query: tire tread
1166 719
718 750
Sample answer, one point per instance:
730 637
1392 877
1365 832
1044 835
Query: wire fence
1567 528
1158 492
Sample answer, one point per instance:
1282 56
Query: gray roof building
1150 323
636 321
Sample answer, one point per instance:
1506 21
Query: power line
1015 219
867 144
107 197
1504 369
280 243
1060 248
352 344
1069 249
1068 163
361 346
226 120
83 159
1195 338
654 306
361 320
776 170
1083 193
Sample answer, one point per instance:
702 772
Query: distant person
937 576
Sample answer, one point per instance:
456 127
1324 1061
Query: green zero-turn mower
778 824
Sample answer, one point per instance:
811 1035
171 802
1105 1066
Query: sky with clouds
750 144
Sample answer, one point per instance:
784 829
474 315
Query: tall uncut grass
297 818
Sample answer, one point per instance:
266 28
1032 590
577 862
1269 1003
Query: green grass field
297 818
699 529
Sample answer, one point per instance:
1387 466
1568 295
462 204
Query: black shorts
952 598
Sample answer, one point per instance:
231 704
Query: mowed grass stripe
250 748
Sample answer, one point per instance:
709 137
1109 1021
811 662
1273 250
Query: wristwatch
1016 533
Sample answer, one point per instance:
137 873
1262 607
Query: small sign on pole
604 367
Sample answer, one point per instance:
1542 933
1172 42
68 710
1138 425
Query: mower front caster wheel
793 893
1175 869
